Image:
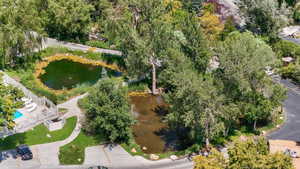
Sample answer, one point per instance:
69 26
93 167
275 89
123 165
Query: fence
48 109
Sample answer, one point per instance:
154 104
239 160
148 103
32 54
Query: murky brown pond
148 130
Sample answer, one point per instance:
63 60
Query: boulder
154 157
133 150
173 157
144 148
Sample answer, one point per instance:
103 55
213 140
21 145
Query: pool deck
30 119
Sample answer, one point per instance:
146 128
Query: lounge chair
27 106
24 99
31 109
28 102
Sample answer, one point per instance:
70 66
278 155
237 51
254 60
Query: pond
149 131
66 74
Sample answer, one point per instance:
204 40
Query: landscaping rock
133 150
173 157
48 135
154 157
144 148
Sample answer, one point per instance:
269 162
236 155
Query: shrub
285 48
98 44
138 87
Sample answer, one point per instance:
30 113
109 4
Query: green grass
39 135
73 153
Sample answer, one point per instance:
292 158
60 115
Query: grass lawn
39 135
73 153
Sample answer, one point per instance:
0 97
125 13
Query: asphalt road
291 129
297 41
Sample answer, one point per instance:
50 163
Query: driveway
291 128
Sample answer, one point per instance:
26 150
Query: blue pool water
17 115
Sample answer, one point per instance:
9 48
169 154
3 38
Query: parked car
1 157
97 167
25 152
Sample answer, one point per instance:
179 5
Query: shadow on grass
12 142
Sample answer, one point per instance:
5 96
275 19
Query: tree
243 59
146 39
210 22
265 17
18 20
9 101
250 154
254 154
195 104
194 44
108 111
229 27
215 160
68 19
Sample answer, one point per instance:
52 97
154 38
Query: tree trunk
154 91
207 142
254 125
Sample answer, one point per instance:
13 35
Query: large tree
194 44
194 102
250 154
18 20
67 19
265 17
108 111
243 59
146 39
10 100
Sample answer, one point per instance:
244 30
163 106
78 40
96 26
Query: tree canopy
10 100
18 20
108 111
252 154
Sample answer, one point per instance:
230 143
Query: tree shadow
13 141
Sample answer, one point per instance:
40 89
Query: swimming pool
17 115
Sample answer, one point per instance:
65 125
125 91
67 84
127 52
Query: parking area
11 163
283 145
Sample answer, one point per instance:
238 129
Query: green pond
66 74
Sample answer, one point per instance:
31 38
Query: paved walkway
48 153
49 42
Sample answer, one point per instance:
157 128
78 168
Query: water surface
66 74
148 132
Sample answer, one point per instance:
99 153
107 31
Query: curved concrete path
48 153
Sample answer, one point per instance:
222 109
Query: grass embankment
26 75
39 135
73 153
